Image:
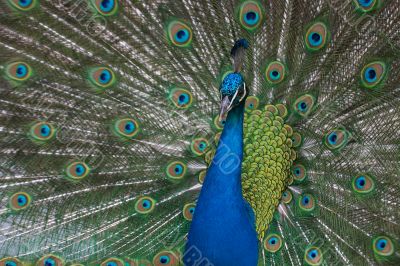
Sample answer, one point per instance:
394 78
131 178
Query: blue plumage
231 83
223 230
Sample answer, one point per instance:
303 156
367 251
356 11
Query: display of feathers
110 118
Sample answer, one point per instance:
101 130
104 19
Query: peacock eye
336 139
316 36
250 15
383 246
181 98
252 103
23 5
363 184
10 262
299 172
102 77
296 139
105 7
50 260
217 123
42 131
145 205
77 170
287 196
166 258
176 170
19 71
20 201
275 72
304 105
179 33
313 256
112 262
188 211
373 74
199 146
273 243
127 128
307 202
366 5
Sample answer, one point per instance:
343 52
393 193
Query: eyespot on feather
313 256
304 105
273 243
176 170
18 71
23 5
113 262
102 77
127 128
77 170
9 261
383 246
20 201
275 72
145 205
307 202
199 146
251 15
366 6
105 7
252 103
218 124
181 98
42 131
296 139
287 196
336 139
50 260
316 36
188 211
179 33
373 74
166 258
363 184
299 172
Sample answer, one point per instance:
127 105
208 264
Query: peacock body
132 133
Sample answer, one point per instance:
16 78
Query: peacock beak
225 105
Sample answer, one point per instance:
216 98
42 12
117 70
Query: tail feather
170 91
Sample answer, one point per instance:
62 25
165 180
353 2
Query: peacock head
232 92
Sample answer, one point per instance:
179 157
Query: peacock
180 132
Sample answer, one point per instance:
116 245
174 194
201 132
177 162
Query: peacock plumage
178 132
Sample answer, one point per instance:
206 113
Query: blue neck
224 173
223 221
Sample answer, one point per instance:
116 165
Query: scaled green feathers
109 118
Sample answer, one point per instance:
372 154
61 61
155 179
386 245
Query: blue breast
223 231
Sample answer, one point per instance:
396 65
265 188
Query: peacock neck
225 170
221 209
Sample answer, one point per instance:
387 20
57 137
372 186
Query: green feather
85 148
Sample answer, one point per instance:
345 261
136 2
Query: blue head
233 89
